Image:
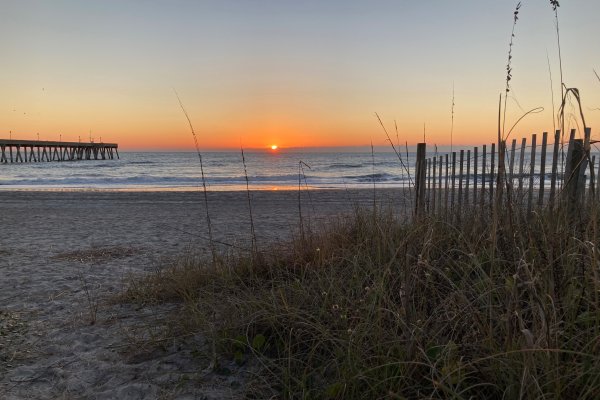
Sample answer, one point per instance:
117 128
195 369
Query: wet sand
65 255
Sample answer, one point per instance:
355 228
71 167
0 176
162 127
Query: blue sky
257 72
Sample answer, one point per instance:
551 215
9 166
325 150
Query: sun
273 147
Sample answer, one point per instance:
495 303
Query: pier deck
21 151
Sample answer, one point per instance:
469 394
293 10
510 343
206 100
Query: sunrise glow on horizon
279 74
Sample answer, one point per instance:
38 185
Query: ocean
266 170
163 171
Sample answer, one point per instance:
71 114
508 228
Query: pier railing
21 151
529 176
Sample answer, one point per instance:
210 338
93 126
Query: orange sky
293 74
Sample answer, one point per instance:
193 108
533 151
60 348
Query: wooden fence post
568 164
482 199
591 194
439 201
554 166
583 164
597 182
420 180
521 161
475 160
468 178
452 195
512 162
460 181
541 194
501 175
531 173
446 185
492 180
587 160
573 174
434 177
428 196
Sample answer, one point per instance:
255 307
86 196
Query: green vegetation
377 307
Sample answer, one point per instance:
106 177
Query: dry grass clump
376 307
97 254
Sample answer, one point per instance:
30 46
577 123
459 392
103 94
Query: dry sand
65 255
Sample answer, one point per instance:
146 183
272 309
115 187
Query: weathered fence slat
592 190
460 180
531 173
542 168
475 159
583 164
521 161
597 194
512 162
447 184
554 166
439 202
574 156
586 147
581 189
568 175
492 169
420 179
453 180
433 192
468 177
428 197
501 174
482 199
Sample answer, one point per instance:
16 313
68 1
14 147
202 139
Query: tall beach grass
380 307
504 305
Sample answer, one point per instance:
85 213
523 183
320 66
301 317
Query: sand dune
65 255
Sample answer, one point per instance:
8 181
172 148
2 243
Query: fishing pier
22 151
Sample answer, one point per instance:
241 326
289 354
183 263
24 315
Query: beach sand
64 256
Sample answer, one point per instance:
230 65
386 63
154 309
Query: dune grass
499 306
378 307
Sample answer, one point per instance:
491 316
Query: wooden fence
530 175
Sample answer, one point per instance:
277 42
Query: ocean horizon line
308 149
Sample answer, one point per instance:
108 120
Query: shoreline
275 212
185 189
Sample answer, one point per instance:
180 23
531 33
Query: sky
309 73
